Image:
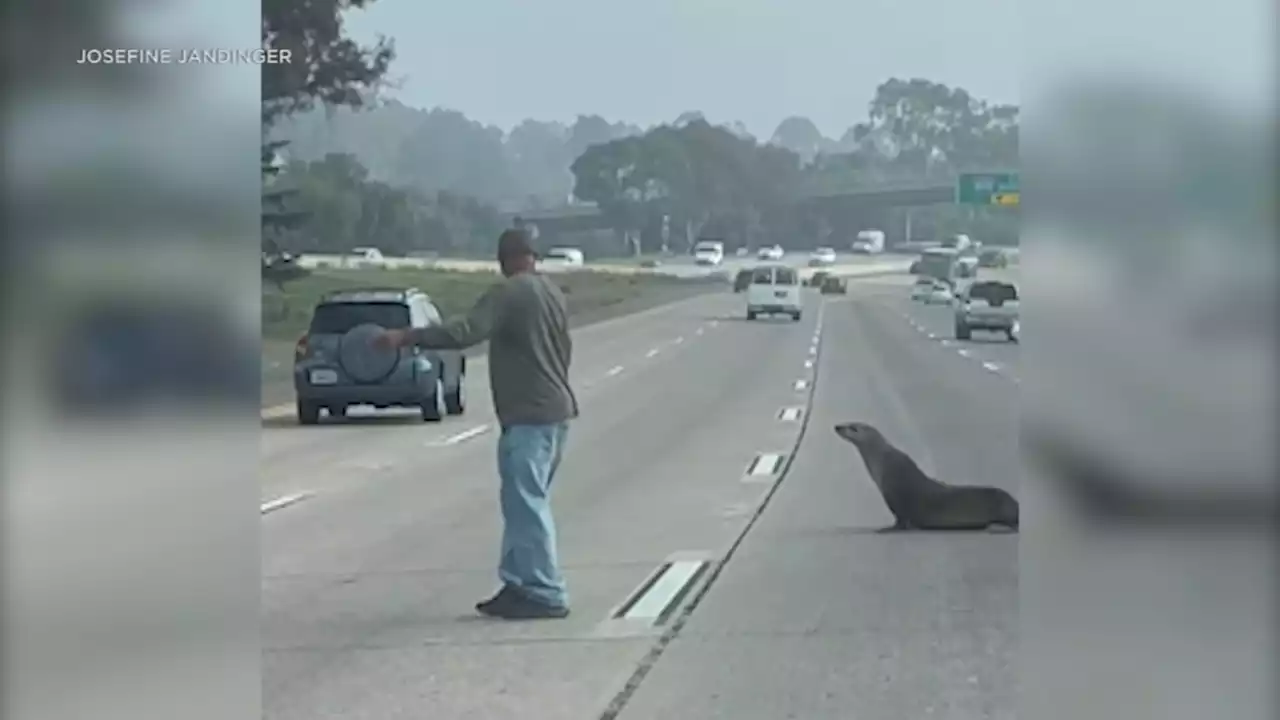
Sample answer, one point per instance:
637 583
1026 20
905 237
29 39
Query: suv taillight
300 350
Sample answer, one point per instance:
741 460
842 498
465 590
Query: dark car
742 281
833 285
337 366
819 277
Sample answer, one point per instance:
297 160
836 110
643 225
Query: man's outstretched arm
463 332
471 329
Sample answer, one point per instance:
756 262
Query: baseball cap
516 242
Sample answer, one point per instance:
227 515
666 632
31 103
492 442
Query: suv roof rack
372 290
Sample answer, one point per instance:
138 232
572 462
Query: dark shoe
511 604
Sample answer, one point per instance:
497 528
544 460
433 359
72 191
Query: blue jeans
528 457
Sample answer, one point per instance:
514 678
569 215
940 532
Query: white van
774 290
869 242
363 257
708 252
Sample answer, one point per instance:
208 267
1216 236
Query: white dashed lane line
652 353
963 351
802 384
765 465
614 371
466 435
282 502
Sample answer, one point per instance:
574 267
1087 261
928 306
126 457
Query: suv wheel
751 314
963 332
308 412
455 401
795 316
431 407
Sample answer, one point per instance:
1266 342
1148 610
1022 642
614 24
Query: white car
931 292
822 256
561 258
770 252
921 289
774 290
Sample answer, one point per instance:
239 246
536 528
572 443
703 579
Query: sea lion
919 502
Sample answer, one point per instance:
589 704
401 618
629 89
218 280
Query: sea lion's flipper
949 525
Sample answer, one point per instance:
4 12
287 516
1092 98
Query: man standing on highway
525 320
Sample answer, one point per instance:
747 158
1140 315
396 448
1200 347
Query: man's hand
391 339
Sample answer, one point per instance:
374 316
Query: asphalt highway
380 533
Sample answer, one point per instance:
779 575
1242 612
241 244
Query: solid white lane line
652 353
281 502
791 414
661 594
765 464
614 371
802 384
466 435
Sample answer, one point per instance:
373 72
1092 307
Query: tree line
706 179
360 171
345 207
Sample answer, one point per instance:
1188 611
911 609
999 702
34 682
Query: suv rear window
338 318
993 293
762 276
787 276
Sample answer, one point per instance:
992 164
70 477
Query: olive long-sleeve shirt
525 319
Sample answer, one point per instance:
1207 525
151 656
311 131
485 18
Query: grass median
592 296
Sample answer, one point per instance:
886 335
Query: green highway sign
988 189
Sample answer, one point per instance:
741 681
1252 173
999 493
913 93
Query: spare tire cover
361 359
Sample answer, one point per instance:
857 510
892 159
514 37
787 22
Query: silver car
988 305
931 291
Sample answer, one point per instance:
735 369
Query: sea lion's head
860 434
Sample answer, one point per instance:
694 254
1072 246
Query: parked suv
336 364
988 305
774 290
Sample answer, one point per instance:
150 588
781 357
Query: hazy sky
758 61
